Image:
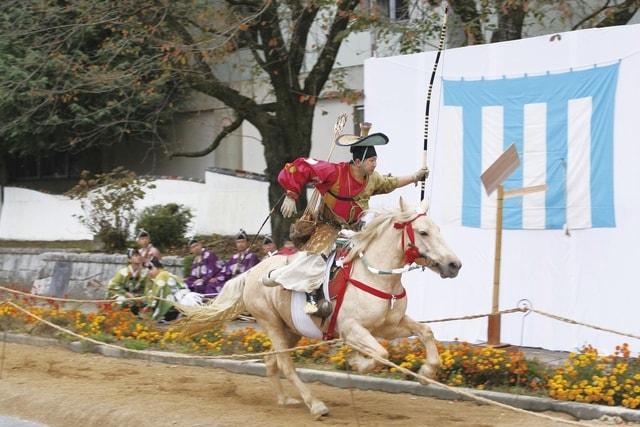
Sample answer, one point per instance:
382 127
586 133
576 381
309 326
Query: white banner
571 107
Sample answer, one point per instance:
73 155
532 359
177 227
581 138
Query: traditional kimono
149 252
127 281
237 264
204 269
171 288
343 195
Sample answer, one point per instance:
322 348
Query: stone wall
65 273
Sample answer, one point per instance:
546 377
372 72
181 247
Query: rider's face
368 165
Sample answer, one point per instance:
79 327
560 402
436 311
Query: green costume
126 281
164 285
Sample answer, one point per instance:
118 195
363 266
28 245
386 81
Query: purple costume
204 273
237 264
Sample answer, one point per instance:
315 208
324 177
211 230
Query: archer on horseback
345 189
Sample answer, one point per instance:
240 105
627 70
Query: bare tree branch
216 142
621 14
591 15
318 76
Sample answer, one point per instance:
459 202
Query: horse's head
432 251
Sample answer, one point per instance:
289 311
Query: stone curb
583 411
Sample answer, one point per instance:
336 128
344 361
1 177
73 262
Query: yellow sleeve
383 184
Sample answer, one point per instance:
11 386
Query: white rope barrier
293 349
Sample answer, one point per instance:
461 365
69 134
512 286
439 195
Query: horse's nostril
455 265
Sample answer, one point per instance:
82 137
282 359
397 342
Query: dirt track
61 388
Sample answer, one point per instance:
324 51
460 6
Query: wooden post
493 330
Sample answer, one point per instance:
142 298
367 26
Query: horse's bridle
411 253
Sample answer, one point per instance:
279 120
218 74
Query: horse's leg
354 333
407 327
273 373
280 341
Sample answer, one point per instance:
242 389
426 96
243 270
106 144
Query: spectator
268 246
165 289
239 262
130 282
204 269
147 250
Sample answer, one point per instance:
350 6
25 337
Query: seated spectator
147 250
204 269
289 248
169 288
268 246
130 282
239 262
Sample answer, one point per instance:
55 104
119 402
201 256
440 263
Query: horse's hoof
319 409
286 401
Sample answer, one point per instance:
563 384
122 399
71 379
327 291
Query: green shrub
108 201
186 265
167 224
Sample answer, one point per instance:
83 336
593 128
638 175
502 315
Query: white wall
32 215
229 203
222 205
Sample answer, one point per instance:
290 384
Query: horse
362 316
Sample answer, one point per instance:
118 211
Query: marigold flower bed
585 377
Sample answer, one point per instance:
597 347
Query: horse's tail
226 306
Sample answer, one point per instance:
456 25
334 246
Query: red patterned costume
343 195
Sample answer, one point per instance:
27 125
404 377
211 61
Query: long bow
443 33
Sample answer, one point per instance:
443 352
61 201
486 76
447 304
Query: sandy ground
61 388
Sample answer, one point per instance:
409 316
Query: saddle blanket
301 320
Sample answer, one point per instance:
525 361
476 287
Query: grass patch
83 245
134 344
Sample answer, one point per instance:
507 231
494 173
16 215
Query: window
397 10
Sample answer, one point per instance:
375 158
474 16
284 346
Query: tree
81 74
507 19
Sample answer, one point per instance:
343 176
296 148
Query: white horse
362 316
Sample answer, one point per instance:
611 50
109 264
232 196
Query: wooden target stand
492 180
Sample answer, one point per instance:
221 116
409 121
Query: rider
346 189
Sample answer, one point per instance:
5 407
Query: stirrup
325 308
268 281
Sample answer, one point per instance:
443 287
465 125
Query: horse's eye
423 233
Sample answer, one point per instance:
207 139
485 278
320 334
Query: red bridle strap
411 253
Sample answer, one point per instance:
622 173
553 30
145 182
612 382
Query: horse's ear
403 205
424 206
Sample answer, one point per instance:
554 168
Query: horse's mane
383 218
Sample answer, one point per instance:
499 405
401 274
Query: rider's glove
421 174
288 207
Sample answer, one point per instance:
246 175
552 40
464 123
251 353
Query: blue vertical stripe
472 163
601 179
513 134
556 195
